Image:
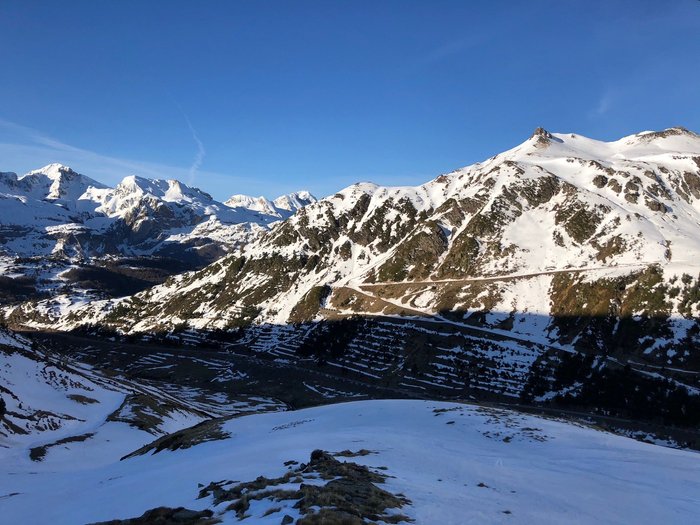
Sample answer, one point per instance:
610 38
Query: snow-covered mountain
55 209
562 244
564 271
557 204
54 183
282 207
61 229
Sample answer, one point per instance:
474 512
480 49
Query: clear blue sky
288 95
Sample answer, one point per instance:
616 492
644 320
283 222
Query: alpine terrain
517 341
562 258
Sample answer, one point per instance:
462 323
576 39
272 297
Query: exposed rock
600 180
168 516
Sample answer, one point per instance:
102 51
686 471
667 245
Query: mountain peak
57 181
134 183
294 201
541 132
543 138
282 207
246 201
54 170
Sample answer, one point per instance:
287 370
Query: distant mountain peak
131 181
294 201
57 182
282 207
138 215
55 169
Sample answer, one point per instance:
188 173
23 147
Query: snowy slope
45 399
455 463
51 402
56 412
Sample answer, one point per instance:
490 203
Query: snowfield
457 464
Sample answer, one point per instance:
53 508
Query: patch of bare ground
349 496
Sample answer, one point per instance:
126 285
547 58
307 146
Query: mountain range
490 278
61 229
360 358
56 211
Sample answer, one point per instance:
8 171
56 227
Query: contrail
199 156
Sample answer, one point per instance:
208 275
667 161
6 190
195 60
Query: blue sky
264 97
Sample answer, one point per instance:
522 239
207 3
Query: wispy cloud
23 148
36 136
604 105
449 49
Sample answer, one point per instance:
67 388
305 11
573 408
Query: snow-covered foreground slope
457 464
44 398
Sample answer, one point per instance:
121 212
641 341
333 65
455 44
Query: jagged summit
52 169
542 138
171 190
294 201
135 183
58 173
54 182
